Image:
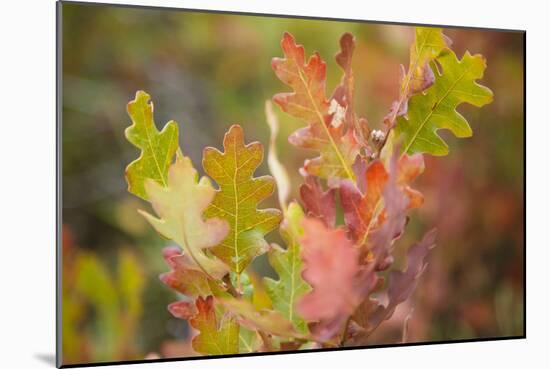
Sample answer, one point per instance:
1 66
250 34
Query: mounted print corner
234 184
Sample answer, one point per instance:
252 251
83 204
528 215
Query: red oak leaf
184 276
326 132
319 203
401 284
344 92
331 267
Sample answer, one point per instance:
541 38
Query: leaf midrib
348 170
236 218
149 143
433 109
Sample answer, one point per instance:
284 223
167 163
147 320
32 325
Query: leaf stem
266 340
230 288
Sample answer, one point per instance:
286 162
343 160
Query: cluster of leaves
330 275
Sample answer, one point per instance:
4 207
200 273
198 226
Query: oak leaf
184 276
428 43
216 336
290 287
157 148
365 212
237 199
180 207
402 283
319 203
396 204
337 145
331 267
436 108
344 93
183 309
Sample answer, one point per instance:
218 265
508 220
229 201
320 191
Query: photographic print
240 184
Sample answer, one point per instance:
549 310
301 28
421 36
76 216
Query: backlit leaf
362 212
216 336
338 146
331 267
428 43
436 108
157 148
237 199
180 206
290 287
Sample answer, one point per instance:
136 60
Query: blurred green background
208 71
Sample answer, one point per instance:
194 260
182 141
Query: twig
230 288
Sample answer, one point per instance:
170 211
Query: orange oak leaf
237 199
331 267
396 204
326 132
364 212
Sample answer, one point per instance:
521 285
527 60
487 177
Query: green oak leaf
180 206
288 264
236 200
216 336
157 148
428 43
436 108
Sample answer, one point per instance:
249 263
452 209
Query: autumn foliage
330 290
